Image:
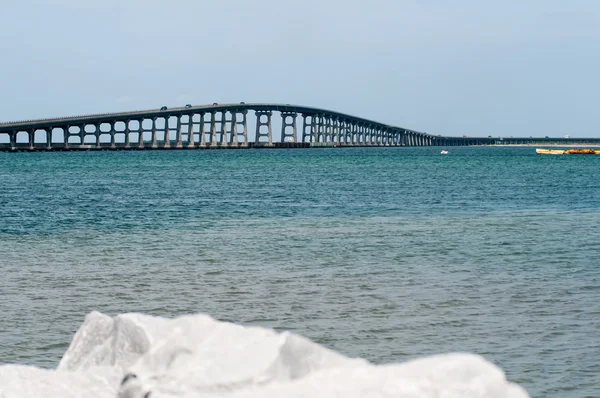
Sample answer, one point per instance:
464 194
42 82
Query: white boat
444 152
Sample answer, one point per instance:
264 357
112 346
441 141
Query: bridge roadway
226 126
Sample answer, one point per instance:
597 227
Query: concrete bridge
226 126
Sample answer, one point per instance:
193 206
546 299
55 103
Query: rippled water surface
384 253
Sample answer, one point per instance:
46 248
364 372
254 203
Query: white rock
30 382
196 356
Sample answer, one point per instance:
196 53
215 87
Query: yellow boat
541 151
580 152
549 151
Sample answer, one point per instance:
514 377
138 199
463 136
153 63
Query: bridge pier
213 129
223 129
154 144
141 134
179 134
233 134
48 138
12 136
190 144
244 124
112 133
307 128
336 131
343 132
288 119
127 134
354 134
166 133
261 123
66 135
320 128
326 129
202 128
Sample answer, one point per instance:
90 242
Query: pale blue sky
445 67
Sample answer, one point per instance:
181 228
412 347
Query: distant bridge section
227 126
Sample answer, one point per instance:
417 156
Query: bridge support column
288 119
328 129
154 139
343 132
336 131
167 133
190 144
213 129
66 135
48 139
354 134
179 134
307 128
97 135
13 139
203 123
319 128
141 134
233 133
260 123
112 132
82 133
223 129
127 134
244 124
202 131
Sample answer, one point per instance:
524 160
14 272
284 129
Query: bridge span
226 126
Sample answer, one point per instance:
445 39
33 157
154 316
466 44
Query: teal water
384 253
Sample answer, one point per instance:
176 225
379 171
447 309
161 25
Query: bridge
227 126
